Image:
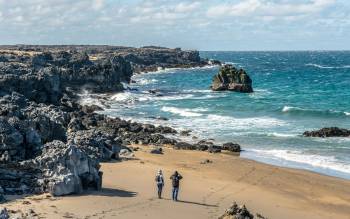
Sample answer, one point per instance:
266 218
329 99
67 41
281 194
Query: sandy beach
206 190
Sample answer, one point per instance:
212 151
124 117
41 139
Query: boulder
328 132
67 169
157 151
214 149
233 147
237 212
232 79
126 154
203 145
184 146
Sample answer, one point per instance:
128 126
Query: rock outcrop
233 147
48 141
205 145
232 79
144 59
328 132
66 169
237 212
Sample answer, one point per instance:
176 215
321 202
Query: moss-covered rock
232 79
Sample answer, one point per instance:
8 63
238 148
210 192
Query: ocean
294 92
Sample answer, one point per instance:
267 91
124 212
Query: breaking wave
304 160
312 112
181 112
327 67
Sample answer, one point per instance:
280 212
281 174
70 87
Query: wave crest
312 160
181 112
327 67
315 112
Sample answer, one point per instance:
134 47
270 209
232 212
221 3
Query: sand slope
129 190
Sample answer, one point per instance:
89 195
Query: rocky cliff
144 59
232 79
48 142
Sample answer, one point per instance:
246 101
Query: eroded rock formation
232 79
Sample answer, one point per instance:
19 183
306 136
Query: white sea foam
124 97
197 91
232 63
246 123
314 161
88 99
145 81
180 111
290 108
327 67
282 135
173 70
260 93
133 97
209 124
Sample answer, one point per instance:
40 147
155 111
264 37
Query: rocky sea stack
232 79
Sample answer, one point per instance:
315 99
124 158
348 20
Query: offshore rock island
232 79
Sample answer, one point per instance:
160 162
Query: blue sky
190 24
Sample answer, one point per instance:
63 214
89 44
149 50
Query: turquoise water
294 92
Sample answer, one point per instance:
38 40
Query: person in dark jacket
160 183
176 177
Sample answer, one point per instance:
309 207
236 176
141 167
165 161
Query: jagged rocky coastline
48 141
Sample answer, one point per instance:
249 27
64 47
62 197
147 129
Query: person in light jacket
160 183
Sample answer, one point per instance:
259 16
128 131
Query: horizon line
200 50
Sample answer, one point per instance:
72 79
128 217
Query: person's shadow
193 203
110 193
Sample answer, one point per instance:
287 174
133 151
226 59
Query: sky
190 24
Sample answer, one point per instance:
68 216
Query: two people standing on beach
175 179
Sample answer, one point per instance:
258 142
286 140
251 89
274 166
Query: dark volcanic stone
232 79
214 149
231 147
185 146
328 132
157 151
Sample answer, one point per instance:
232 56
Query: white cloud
98 4
269 8
188 22
185 7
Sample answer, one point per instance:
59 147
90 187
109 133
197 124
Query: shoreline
334 169
206 191
253 155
